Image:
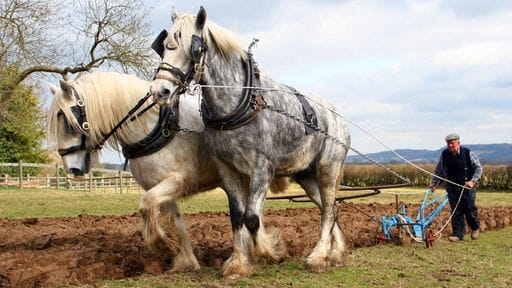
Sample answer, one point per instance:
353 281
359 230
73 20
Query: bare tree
68 37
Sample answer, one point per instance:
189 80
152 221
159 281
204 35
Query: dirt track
56 251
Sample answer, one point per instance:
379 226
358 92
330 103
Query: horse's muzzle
161 91
76 171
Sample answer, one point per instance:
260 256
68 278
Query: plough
417 229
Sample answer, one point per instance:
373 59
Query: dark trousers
466 208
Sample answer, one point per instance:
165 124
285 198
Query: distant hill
487 153
114 166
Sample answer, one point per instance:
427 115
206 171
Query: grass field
27 203
483 263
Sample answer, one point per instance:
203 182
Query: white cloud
477 54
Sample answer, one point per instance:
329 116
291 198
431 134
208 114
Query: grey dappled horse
254 136
181 167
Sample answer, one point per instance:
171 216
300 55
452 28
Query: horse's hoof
236 269
338 259
318 265
182 263
187 268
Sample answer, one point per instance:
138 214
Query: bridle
182 79
78 111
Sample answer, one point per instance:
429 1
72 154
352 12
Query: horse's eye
172 45
177 37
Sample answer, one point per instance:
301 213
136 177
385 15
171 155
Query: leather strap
252 103
162 134
307 110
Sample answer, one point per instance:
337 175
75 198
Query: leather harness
307 111
251 105
161 135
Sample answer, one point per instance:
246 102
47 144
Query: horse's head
68 126
183 51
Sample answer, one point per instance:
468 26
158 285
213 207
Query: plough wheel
429 238
381 238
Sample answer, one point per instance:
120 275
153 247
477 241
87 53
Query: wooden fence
120 181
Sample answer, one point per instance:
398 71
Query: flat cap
452 136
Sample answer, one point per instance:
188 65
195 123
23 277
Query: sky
405 72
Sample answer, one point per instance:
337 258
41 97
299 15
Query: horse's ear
54 89
201 19
174 14
66 88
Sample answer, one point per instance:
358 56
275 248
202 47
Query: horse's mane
107 96
221 38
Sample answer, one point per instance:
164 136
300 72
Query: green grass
28 203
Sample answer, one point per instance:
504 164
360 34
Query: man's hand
470 184
432 186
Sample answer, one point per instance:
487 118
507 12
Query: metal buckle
194 89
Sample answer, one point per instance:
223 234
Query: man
460 166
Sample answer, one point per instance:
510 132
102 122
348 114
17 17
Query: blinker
68 128
197 48
158 44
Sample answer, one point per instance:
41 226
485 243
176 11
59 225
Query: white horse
256 135
86 109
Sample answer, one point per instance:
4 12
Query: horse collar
250 106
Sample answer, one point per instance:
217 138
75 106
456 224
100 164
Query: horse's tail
279 185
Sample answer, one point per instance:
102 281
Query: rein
125 118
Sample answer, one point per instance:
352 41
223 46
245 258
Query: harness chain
335 140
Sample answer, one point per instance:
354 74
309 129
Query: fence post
90 180
120 182
396 204
20 177
57 176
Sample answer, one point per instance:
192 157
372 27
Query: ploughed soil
56 251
